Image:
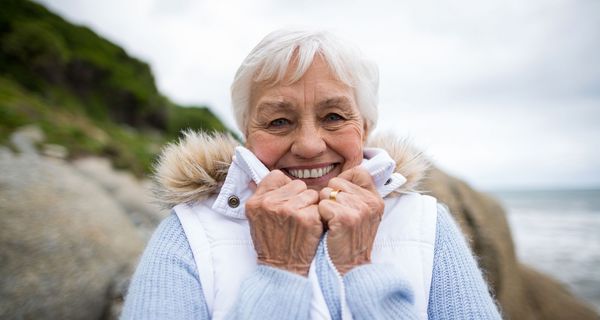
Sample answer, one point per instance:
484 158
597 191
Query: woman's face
310 130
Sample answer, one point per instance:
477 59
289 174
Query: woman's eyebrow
273 106
340 101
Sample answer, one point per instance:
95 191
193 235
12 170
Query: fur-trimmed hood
195 167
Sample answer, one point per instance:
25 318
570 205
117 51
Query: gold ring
333 194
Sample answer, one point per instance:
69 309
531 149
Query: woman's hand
352 218
284 223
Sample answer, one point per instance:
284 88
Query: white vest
219 236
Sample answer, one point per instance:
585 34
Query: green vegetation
85 92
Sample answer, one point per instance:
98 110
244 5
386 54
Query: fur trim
410 162
194 168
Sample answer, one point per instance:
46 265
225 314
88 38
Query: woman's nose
308 142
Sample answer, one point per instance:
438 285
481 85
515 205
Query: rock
66 245
521 292
55 151
550 300
133 195
25 138
5 153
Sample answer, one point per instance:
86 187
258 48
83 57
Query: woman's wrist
299 269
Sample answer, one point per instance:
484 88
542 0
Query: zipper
339 277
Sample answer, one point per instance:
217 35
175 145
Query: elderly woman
305 220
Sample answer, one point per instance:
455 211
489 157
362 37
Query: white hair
271 58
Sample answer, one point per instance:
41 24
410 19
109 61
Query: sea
558 233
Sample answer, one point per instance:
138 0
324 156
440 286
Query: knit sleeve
374 291
270 293
458 290
166 284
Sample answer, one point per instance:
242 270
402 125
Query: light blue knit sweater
166 284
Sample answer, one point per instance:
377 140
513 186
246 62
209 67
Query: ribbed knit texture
458 290
166 285
271 293
375 292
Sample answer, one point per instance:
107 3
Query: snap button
388 181
233 201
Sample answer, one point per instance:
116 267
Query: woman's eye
333 117
279 123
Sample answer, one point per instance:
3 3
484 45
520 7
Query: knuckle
354 219
350 219
279 212
324 193
252 204
284 209
362 178
312 194
265 203
323 205
363 208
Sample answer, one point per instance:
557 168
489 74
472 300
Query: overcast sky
502 93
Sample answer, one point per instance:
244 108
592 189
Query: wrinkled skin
311 124
285 223
352 219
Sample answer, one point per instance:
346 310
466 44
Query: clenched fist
352 219
285 223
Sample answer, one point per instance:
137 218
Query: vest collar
246 168
194 168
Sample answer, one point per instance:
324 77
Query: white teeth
310 173
315 173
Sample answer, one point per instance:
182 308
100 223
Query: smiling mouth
310 173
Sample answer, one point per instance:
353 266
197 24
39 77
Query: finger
274 180
360 177
325 193
289 190
328 209
304 199
344 185
311 214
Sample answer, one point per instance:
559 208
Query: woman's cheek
349 142
268 150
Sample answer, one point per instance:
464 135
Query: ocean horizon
557 231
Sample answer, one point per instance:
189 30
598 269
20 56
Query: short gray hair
270 59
